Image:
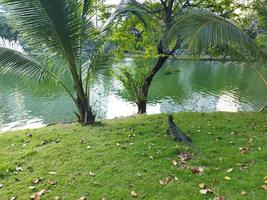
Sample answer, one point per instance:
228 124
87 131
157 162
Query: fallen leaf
91 173
244 150
185 156
13 198
104 198
138 174
32 187
134 194
205 191
174 162
219 198
52 173
97 184
1 185
51 182
18 168
118 144
57 198
88 147
197 170
82 198
229 170
37 180
264 187
35 196
151 157
233 132
227 178
165 180
243 193
201 185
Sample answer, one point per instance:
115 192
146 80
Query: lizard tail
197 149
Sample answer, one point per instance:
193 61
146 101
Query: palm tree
62 41
182 25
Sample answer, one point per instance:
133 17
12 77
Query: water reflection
192 86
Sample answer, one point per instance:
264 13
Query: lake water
180 86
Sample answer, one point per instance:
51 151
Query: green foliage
133 76
262 12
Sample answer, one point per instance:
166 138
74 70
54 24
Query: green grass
120 169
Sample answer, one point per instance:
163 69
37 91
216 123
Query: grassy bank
112 159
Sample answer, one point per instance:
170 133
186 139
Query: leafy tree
171 25
63 42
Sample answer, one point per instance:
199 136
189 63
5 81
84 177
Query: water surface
179 86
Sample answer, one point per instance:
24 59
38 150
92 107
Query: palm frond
124 8
99 59
13 60
200 29
55 25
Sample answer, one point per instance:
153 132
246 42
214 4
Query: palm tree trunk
85 115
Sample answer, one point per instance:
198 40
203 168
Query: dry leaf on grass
229 170
91 173
37 195
82 198
205 191
219 198
165 180
97 184
13 198
201 185
19 168
52 173
1 185
264 187
198 170
51 182
57 198
227 178
32 187
134 194
37 180
243 193
244 150
174 162
184 156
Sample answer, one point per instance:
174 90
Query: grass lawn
112 159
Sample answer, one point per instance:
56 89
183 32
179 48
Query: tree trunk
85 115
141 104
